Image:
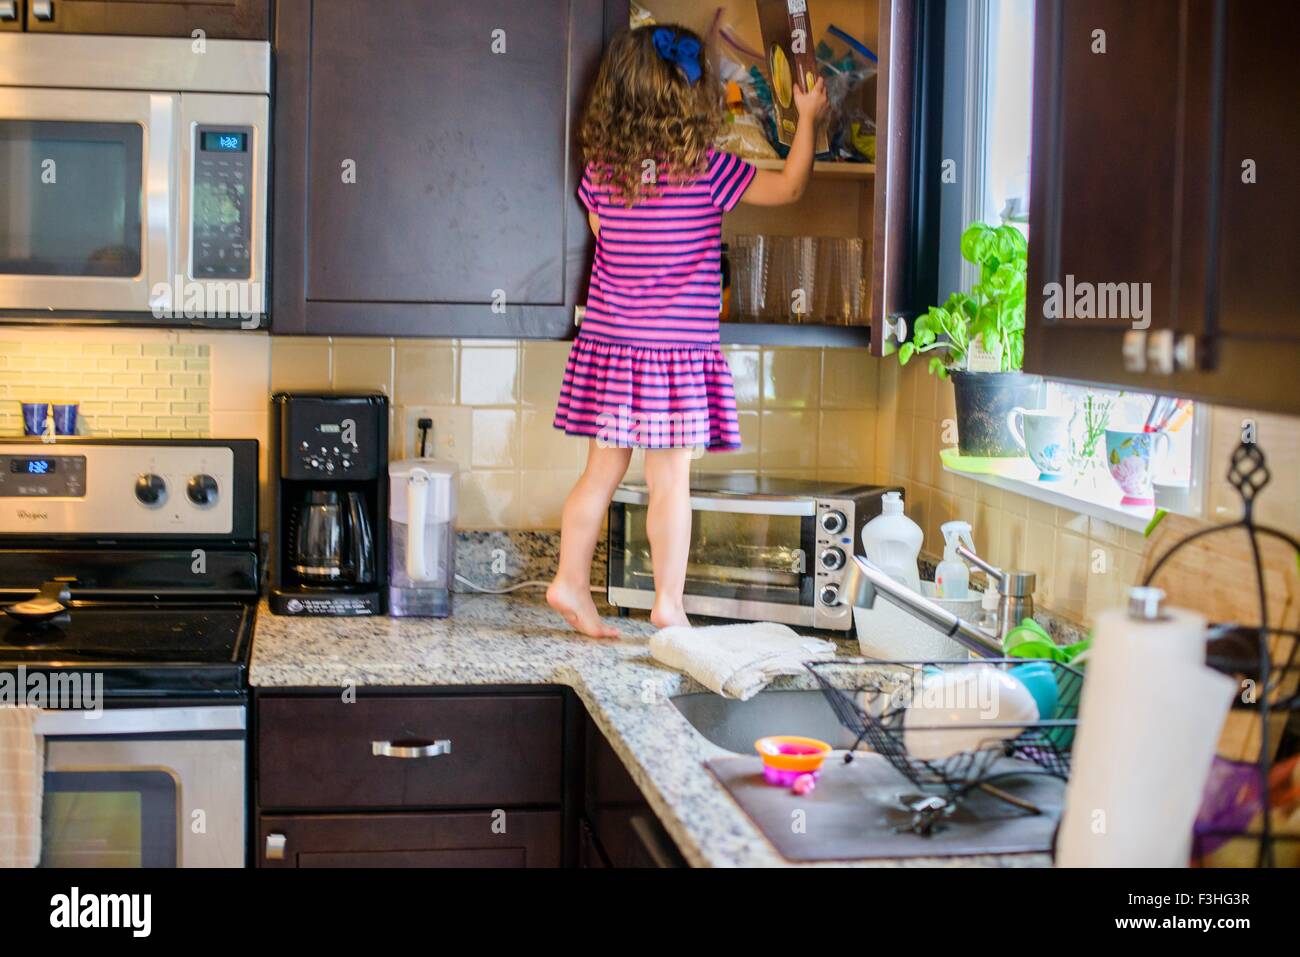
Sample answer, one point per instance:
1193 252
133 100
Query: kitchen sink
736 725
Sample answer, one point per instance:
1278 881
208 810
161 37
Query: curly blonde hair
642 107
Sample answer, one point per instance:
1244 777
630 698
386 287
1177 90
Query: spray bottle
952 578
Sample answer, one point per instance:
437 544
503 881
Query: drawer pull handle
410 749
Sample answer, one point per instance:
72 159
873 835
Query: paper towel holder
1146 603
1248 473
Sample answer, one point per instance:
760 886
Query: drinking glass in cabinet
748 277
839 284
790 278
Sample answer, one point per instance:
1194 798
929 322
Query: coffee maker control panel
336 438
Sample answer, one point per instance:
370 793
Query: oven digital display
42 476
329 428
216 141
34 466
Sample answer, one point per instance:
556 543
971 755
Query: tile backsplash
150 389
810 413
803 412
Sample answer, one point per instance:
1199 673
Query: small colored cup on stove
34 414
786 757
65 418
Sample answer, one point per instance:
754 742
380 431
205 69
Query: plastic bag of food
846 64
639 16
743 133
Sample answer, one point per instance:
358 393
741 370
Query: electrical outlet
449 439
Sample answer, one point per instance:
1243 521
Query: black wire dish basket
871 698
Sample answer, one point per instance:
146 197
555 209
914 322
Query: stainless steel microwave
133 179
762 549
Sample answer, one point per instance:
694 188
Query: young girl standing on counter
645 370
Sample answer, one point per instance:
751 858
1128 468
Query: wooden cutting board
1215 576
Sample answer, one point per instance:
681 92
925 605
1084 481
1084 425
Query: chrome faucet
1015 591
864 581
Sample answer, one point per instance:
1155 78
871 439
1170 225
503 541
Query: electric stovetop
154 649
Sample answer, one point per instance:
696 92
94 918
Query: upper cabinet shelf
823 169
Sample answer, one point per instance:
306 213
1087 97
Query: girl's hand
813 104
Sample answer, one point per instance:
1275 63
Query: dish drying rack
871 698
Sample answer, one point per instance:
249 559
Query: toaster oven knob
150 490
830 594
202 490
832 558
834 521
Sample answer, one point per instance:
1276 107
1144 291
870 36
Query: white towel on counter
22 786
737 661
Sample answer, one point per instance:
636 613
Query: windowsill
1020 477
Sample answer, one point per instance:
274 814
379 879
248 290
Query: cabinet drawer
453 839
393 752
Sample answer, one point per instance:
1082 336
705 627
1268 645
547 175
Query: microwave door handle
162 183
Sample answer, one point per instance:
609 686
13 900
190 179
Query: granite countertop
493 640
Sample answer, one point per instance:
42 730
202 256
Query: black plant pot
984 401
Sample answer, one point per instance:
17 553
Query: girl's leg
584 511
668 524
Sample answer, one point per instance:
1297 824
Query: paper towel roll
1149 721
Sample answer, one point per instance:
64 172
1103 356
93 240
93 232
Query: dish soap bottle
952 577
892 542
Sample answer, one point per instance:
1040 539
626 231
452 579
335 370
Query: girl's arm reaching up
770 188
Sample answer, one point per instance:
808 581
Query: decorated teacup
1129 454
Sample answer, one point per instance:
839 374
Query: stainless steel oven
761 549
144 787
133 179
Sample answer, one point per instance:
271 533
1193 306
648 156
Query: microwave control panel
222 202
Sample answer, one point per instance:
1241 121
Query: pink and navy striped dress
646 370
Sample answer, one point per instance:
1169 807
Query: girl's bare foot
668 616
578 609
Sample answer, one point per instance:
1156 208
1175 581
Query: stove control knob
834 521
150 490
202 490
830 594
832 558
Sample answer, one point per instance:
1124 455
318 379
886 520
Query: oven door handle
738 504
140 721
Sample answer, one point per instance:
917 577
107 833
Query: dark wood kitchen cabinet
618 828
511 838
1164 145
425 168
11 15
447 778
218 19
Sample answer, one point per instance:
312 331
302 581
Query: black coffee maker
328 547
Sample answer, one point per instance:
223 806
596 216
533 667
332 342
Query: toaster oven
762 549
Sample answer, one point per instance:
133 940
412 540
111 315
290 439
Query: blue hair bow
684 51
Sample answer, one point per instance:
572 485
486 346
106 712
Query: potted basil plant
981 335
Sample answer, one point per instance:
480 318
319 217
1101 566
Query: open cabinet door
905 226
